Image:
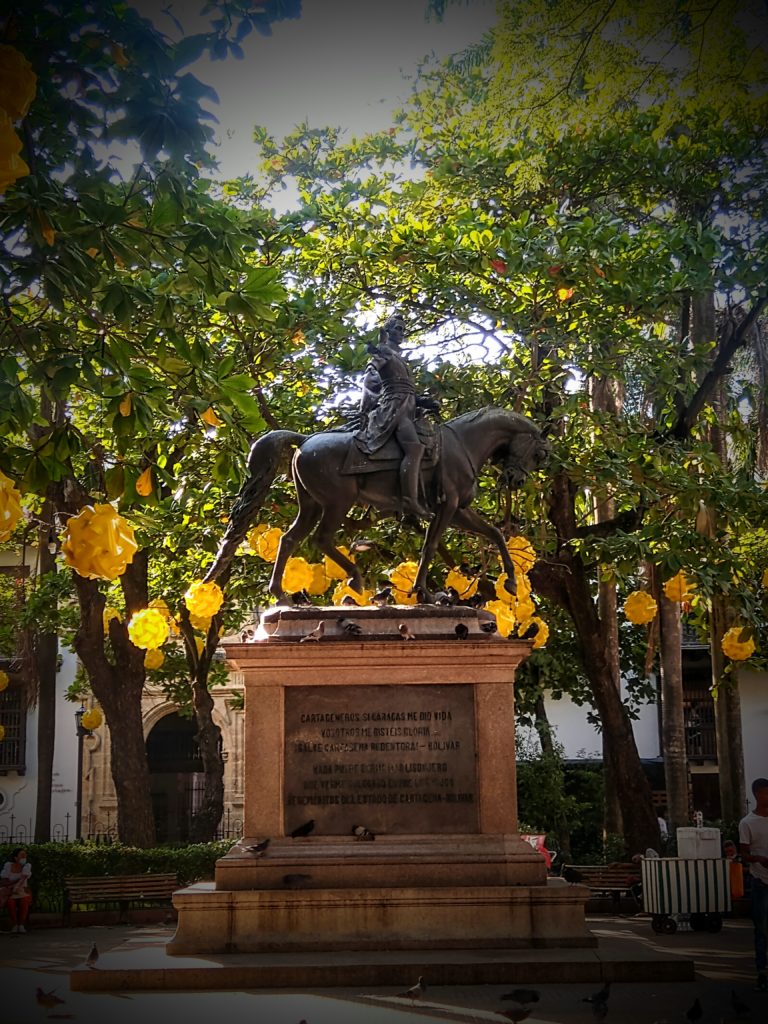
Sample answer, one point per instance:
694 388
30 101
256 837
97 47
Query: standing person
753 847
15 875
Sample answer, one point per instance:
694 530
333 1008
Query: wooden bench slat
122 889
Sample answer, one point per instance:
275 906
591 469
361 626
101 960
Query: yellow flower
342 590
524 609
297 575
126 404
12 167
320 581
199 645
4 680
98 543
679 588
108 614
18 83
463 586
144 483
542 634
505 616
201 622
522 554
154 658
162 606
254 534
403 576
210 417
402 597
334 571
501 591
204 599
734 647
640 607
765 579
267 543
148 628
10 506
2 732
92 719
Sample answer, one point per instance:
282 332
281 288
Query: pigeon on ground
415 991
48 1000
404 631
316 633
489 627
92 959
349 600
381 597
301 597
303 830
444 598
257 848
601 996
461 630
296 881
363 834
739 1007
695 1011
353 628
522 995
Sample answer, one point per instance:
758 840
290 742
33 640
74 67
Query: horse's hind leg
472 522
308 515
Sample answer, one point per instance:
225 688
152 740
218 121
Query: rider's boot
409 481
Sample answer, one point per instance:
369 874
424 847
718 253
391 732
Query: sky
341 64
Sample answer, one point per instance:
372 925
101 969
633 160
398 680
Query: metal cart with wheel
675 888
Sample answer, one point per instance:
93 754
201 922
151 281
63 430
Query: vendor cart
676 889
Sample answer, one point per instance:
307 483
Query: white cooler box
699 844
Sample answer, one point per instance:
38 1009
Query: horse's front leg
308 515
437 527
329 525
472 522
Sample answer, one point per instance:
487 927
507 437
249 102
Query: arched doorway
176 776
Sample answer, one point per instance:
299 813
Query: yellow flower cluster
522 554
320 581
734 647
334 571
343 590
266 542
18 85
4 680
640 607
108 614
679 588
10 506
92 719
154 658
298 575
505 616
204 599
148 628
402 578
463 585
99 543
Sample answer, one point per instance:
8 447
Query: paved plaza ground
44 957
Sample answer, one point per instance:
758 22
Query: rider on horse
388 408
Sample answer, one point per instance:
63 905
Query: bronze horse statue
327 488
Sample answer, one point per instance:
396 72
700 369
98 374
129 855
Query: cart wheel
657 923
714 923
669 926
699 922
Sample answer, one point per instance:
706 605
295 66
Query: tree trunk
118 688
46 662
730 749
208 737
613 822
544 731
672 721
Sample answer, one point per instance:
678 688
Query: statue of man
388 408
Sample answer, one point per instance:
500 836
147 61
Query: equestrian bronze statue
371 461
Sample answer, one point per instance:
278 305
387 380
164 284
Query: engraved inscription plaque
396 759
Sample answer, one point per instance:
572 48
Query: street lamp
81 732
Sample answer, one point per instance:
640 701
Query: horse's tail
269 455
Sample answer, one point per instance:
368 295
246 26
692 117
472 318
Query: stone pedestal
412 739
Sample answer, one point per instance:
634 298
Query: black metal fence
19 831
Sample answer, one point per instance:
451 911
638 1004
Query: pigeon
739 1007
362 834
92 959
461 630
489 627
361 544
348 600
296 881
444 598
522 995
301 597
601 996
48 1000
316 633
404 631
517 1013
381 597
600 1011
695 1011
415 991
353 628
574 877
303 830
257 848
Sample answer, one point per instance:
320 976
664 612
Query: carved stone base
441 917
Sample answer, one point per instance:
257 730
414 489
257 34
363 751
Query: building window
13 717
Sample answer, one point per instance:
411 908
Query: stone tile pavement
723 964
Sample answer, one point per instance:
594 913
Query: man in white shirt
753 847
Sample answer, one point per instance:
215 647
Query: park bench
614 880
120 889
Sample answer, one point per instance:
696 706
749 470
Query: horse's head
527 452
